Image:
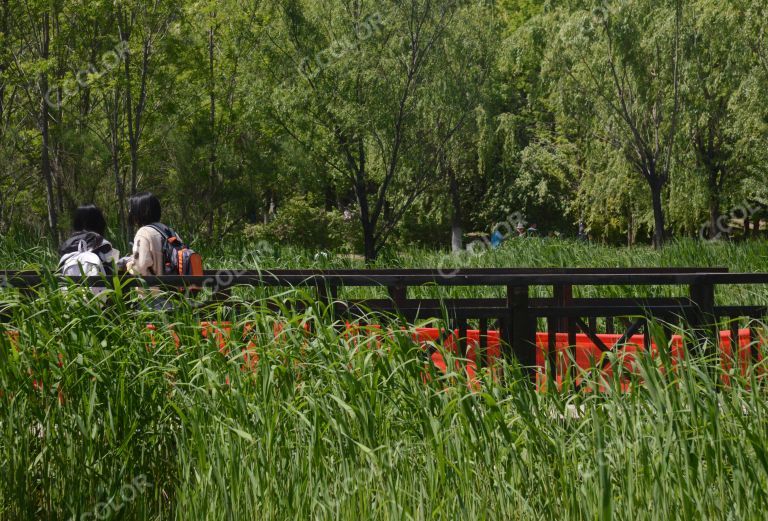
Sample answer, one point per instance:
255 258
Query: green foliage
442 114
298 223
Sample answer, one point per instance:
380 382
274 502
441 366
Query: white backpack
81 263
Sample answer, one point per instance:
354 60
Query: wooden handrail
516 314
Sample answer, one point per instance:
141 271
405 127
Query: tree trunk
134 112
269 209
212 122
120 193
330 196
658 215
45 160
59 155
457 234
369 228
134 151
113 122
369 242
129 115
714 216
3 65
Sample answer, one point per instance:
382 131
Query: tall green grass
99 418
20 252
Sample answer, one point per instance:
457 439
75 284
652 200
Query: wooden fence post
523 336
563 295
703 319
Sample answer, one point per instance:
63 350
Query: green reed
100 418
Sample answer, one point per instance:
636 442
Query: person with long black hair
145 212
86 251
157 249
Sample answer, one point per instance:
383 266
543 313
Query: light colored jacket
147 258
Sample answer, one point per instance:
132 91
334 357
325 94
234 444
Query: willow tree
632 75
717 64
468 54
358 98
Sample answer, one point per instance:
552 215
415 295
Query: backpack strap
82 247
64 258
162 229
94 242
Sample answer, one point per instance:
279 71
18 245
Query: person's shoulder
92 240
150 230
147 235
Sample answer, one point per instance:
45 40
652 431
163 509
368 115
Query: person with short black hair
144 211
88 229
89 218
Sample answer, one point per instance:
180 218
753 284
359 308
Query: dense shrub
299 223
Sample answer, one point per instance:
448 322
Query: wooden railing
517 315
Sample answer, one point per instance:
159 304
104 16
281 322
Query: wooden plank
647 335
398 294
485 279
505 336
741 311
702 318
592 335
437 272
563 298
605 311
523 340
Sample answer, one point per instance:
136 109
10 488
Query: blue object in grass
496 239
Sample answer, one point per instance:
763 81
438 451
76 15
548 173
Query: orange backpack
178 258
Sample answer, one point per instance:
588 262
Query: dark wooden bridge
517 315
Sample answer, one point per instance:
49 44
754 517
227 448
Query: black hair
144 209
89 218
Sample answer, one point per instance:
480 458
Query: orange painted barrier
250 356
219 332
38 384
747 346
587 355
439 343
152 330
13 336
442 344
